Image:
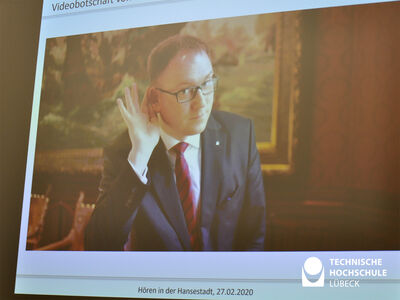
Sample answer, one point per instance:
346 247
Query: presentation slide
206 149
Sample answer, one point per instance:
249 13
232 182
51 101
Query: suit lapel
213 145
162 180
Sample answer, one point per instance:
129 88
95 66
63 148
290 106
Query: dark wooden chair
75 239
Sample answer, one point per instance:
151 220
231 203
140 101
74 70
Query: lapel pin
217 143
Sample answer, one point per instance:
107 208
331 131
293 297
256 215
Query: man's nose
199 100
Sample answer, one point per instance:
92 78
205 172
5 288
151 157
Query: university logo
313 273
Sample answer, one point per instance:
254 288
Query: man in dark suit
183 178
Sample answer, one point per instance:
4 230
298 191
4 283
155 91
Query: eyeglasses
188 94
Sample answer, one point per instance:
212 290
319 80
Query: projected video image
198 83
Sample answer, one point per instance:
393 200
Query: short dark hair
167 49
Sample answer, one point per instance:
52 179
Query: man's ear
153 99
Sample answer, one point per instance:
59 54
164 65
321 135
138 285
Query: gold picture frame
277 154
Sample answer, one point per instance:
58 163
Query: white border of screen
143 264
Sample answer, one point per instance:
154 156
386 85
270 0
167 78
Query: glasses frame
214 78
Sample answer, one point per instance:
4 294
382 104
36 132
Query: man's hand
142 124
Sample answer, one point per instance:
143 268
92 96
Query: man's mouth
199 116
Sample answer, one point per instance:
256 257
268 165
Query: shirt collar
169 141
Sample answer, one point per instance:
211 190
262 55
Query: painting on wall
255 58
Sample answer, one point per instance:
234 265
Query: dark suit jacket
232 201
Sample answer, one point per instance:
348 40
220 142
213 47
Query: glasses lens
186 94
207 87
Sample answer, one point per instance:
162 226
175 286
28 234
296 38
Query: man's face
186 69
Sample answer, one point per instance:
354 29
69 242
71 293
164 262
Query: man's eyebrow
209 75
190 84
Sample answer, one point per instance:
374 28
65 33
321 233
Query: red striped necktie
186 194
